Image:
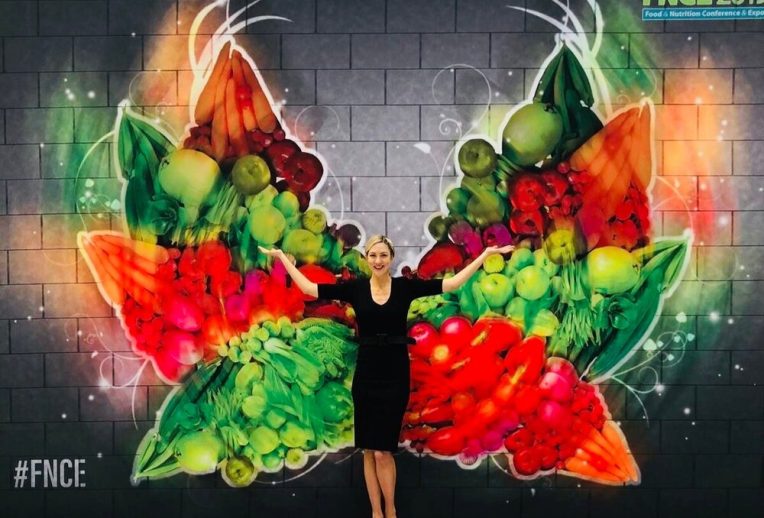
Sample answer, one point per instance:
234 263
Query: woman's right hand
272 252
278 254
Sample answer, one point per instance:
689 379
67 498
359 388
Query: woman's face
379 259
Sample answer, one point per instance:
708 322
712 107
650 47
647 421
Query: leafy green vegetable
633 314
565 85
139 140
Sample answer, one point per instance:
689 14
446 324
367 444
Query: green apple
314 220
456 200
475 185
303 244
493 263
541 260
287 202
485 208
438 227
496 289
515 310
264 197
531 282
266 224
520 258
477 158
250 175
239 472
508 270
192 178
199 452
531 134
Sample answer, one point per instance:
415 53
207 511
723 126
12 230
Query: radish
237 307
491 441
554 415
562 367
182 347
181 312
556 387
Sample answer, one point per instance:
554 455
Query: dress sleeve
423 288
340 291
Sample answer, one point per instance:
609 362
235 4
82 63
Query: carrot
110 287
243 93
205 105
619 187
125 254
137 277
583 468
266 120
642 161
219 137
585 156
238 73
593 459
233 120
152 252
611 434
611 145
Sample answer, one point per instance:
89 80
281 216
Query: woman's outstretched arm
306 286
453 283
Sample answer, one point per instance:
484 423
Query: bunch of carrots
617 156
125 267
234 104
601 455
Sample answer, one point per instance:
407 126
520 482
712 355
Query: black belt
383 339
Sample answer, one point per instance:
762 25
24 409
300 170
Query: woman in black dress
381 380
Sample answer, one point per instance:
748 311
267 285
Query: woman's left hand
498 250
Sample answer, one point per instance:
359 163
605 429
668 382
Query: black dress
381 381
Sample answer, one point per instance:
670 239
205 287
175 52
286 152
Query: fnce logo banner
658 10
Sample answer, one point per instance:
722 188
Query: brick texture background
363 82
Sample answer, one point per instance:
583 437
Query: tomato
426 337
547 456
518 440
456 330
527 461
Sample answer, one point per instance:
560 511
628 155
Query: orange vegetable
266 120
205 105
233 120
111 289
123 266
586 470
150 251
238 73
219 137
614 436
615 157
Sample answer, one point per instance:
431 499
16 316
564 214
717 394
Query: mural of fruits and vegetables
509 365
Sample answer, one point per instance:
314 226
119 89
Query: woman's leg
385 464
372 483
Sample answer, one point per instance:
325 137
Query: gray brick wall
382 89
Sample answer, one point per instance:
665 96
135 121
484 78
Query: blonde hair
375 240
